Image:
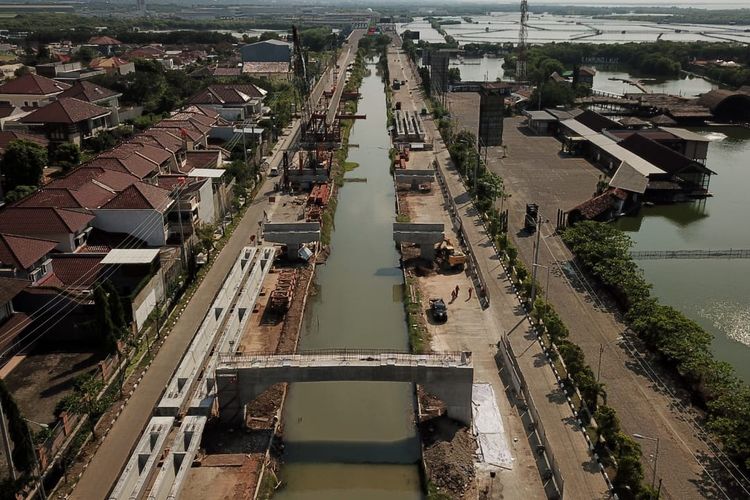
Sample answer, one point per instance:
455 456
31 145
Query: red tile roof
88 195
21 252
107 62
43 220
140 196
114 180
89 92
33 84
154 154
67 110
133 164
74 270
13 328
227 94
200 159
104 40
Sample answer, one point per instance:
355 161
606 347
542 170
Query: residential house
31 91
194 205
233 102
139 210
69 228
106 45
9 115
68 120
68 72
13 323
26 258
586 76
267 51
96 94
113 65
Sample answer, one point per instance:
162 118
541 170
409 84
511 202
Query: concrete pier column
231 406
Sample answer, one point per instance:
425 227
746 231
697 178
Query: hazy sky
706 4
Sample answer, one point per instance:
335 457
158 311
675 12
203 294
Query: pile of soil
449 455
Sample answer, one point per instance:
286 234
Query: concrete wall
206 209
147 225
147 298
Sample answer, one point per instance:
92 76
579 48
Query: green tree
85 400
205 234
608 425
85 54
106 328
23 164
18 193
23 449
67 155
117 312
454 75
268 35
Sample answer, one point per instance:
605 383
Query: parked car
439 310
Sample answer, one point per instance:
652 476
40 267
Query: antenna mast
523 36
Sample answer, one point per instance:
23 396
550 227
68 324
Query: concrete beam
291 233
240 379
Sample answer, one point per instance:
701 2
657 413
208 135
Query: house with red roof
26 258
68 120
96 94
13 323
139 210
106 45
68 227
112 65
31 91
232 101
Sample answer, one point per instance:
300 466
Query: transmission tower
523 37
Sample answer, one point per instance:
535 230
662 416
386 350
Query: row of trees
681 344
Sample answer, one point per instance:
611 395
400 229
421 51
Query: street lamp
42 493
546 287
656 455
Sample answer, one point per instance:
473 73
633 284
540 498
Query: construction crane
301 80
523 37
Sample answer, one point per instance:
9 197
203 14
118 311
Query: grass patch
419 339
267 485
350 165
434 494
403 218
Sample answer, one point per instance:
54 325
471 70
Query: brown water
356 440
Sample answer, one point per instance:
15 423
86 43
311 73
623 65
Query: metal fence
484 293
516 374
449 357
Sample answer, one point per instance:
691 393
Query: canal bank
352 439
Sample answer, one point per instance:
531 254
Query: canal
356 440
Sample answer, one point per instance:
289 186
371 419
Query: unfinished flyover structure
242 378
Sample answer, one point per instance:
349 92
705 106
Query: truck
450 256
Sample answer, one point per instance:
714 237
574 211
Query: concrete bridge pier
425 235
292 234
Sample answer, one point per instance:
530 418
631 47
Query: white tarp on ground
488 426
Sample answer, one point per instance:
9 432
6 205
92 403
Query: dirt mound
449 455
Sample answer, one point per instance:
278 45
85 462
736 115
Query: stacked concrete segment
170 480
181 385
135 478
203 398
